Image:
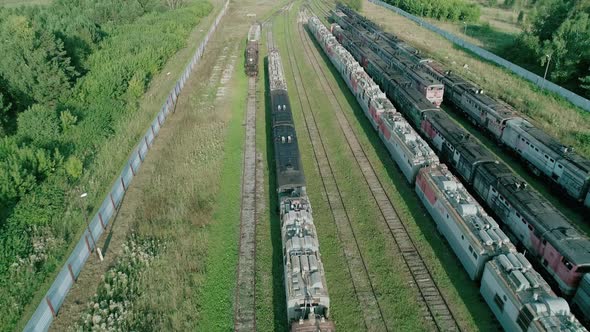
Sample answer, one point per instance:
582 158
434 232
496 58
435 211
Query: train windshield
583 269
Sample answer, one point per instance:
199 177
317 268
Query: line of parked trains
543 154
534 223
518 296
308 302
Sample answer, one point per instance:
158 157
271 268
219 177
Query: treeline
558 33
448 10
70 72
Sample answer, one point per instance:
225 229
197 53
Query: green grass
16 3
217 302
194 208
112 156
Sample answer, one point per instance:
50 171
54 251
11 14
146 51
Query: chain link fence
53 299
536 79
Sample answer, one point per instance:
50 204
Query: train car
251 52
549 157
405 146
521 300
308 301
454 145
473 235
542 230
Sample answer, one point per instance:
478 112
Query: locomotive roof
459 138
554 145
416 147
305 275
289 172
477 225
545 219
529 292
275 70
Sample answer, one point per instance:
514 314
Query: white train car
521 300
473 235
305 282
405 146
549 157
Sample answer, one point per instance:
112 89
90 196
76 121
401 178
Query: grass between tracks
461 293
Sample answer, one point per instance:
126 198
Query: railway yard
295 189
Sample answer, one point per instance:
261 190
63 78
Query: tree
39 125
34 62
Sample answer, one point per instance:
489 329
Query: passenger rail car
308 302
251 52
474 236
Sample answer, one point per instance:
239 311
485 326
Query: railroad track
245 301
438 311
373 317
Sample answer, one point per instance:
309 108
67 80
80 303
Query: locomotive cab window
567 263
583 269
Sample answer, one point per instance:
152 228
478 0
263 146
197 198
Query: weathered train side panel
521 299
473 235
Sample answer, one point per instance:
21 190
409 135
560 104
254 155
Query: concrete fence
536 79
53 299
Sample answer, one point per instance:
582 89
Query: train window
559 166
518 214
493 190
530 227
583 269
545 262
544 241
462 237
551 159
475 256
470 249
566 263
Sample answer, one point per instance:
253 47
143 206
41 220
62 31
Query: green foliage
69 73
33 63
39 125
21 168
73 168
447 10
68 120
558 34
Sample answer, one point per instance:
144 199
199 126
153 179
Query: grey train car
521 300
474 236
308 301
547 156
